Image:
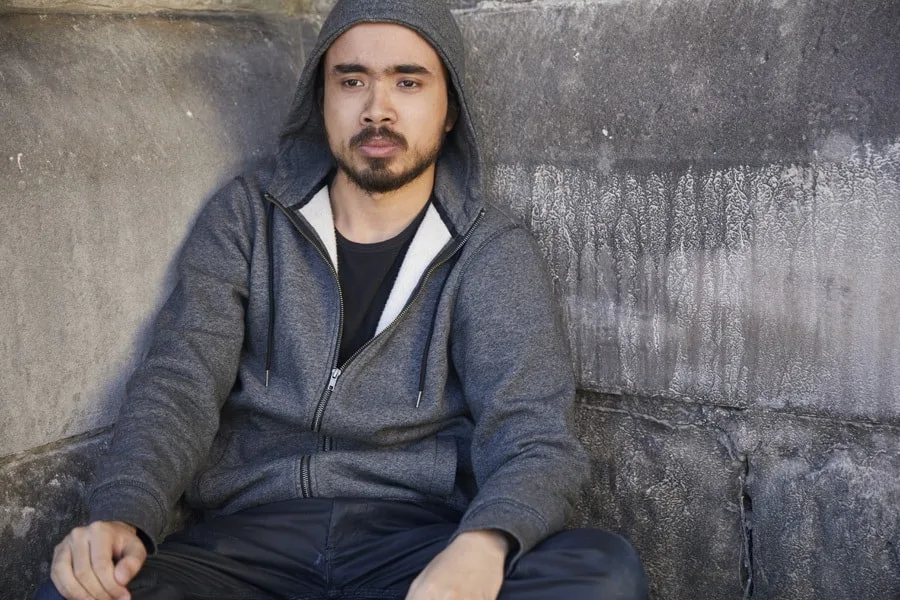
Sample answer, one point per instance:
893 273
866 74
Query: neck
368 218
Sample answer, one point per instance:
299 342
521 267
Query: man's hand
470 568
97 562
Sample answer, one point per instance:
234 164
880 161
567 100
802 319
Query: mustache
370 133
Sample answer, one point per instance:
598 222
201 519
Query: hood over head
304 158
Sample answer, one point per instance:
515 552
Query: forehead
380 46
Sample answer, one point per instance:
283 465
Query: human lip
379 147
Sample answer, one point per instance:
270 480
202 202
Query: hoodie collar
432 236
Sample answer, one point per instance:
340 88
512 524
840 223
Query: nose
379 108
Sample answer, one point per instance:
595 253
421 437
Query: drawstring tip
267 378
419 399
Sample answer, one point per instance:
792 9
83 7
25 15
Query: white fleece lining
318 214
430 238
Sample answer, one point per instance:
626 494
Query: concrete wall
716 186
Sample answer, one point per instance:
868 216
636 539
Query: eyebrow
405 69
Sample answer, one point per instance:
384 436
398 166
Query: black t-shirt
367 273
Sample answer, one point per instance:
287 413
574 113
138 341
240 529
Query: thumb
132 559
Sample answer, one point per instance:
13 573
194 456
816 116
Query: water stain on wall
743 286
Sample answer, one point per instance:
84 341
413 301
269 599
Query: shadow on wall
118 129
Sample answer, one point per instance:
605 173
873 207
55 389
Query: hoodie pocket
444 469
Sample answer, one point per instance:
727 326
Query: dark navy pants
357 549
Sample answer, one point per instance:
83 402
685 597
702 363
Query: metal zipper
305 486
335 372
323 401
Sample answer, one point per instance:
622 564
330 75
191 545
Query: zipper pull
335 373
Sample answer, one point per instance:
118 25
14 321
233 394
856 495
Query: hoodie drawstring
270 340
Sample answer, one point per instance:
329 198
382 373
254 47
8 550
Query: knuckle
81 573
95 530
60 573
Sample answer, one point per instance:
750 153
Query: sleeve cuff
522 523
130 503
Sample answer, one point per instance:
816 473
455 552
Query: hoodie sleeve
171 411
514 365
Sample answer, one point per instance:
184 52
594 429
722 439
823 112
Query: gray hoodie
463 396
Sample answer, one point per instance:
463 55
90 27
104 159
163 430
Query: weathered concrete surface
684 80
114 131
671 483
825 509
41 498
717 186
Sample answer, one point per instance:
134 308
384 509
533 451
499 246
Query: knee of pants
609 557
47 591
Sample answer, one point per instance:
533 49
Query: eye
408 84
352 83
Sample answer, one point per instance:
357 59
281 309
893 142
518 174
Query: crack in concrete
746 505
745 509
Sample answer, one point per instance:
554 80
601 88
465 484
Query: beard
375 176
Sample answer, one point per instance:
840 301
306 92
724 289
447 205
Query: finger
63 576
102 565
133 555
84 571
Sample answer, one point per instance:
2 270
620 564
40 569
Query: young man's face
385 105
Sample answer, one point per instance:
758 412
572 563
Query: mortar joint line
24 455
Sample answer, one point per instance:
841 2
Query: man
359 377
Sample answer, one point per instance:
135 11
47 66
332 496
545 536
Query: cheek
336 128
430 117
